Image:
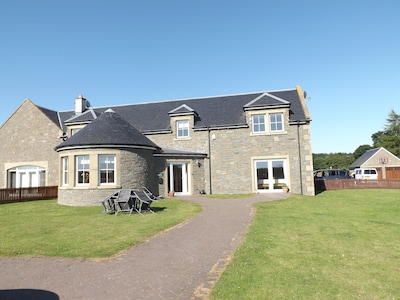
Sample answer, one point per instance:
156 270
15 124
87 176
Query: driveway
181 263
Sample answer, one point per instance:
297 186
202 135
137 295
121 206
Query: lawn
44 228
337 245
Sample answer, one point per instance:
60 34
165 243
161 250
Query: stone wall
134 170
28 137
233 152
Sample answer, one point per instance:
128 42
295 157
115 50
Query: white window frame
182 129
74 131
110 168
26 176
275 122
65 171
267 123
84 171
273 183
185 181
257 124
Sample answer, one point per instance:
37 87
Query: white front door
178 178
270 175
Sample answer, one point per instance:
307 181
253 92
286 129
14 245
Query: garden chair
125 201
109 203
142 202
151 195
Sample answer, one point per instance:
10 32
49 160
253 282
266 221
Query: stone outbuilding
386 163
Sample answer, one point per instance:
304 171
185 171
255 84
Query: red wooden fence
28 194
326 185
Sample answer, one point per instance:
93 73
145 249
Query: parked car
366 173
329 174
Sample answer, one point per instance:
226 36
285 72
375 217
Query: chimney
80 105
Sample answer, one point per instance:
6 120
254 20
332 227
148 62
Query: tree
393 124
332 160
389 138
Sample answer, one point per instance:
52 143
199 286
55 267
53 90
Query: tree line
388 138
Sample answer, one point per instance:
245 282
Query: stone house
245 143
385 162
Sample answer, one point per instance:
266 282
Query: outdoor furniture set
129 200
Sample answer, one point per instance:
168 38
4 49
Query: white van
366 173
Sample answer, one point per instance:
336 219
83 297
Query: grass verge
338 245
44 228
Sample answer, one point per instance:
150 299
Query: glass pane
103 177
177 172
277 170
83 162
276 122
262 175
42 178
258 123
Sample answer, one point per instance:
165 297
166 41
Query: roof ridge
194 98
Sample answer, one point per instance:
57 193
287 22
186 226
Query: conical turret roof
109 130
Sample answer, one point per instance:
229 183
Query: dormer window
182 129
267 123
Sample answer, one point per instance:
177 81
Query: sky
344 54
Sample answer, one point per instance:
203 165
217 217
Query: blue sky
345 54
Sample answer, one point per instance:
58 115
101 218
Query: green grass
338 245
44 228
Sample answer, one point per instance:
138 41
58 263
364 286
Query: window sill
268 133
109 186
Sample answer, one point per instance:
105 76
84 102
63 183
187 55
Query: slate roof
108 130
363 158
51 114
182 110
179 153
359 162
267 99
210 112
86 116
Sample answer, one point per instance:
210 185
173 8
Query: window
65 171
107 169
276 123
74 131
182 129
26 176
270 175
258 123
82 169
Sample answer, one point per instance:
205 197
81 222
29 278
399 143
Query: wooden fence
326 185
28 194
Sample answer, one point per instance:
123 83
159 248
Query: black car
328 174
